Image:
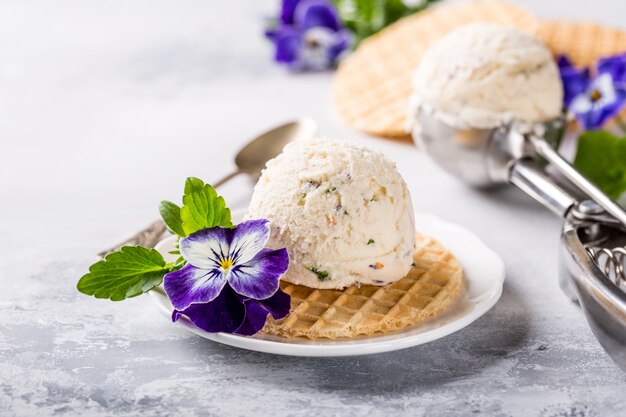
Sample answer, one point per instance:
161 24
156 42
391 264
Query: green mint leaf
202 207
601 157
131 271
170 213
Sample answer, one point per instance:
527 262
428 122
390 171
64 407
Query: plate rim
365 345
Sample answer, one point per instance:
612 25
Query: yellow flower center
595 95
226 263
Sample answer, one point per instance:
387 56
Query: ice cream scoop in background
484 75
343 212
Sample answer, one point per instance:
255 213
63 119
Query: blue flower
309 35
231 281
594 99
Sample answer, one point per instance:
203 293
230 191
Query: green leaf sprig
366 17
131 271
202 208
134 270
601 157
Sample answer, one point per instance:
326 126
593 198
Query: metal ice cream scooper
593 241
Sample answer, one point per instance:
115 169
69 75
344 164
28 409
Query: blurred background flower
313 35
595 98
309 35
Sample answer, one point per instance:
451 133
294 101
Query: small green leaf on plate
202 207
170 213
131 271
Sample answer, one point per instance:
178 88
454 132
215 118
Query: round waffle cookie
431 286
372 86
583 43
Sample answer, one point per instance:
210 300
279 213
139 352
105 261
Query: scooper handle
526 175
576 178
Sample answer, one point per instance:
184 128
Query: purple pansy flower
594 99
230 312
230 281
309 35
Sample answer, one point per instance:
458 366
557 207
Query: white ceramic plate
483 274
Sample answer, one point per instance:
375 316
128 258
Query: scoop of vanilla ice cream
484 75
343 212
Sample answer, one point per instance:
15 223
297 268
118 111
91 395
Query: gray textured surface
105 108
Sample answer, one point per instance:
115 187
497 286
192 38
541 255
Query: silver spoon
250 160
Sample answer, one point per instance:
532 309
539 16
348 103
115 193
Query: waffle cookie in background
372 86
433 285
583 43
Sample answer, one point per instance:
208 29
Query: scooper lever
593 250
576 178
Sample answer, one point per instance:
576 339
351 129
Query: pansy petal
278 305
191 285
592 119
288 43
225 313
271 33
287 10
564 62
342 40
204 248
600 114
314 54
581 104
255 318
259 277
248 239
316 13
575 81
599 103
614 65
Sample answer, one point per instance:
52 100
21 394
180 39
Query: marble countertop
105 108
